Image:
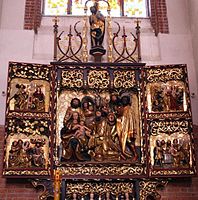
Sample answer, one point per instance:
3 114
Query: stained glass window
135 8
130 8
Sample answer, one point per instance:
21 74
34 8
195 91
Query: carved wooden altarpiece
113 130
120 123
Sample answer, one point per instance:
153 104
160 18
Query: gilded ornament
98 79
166 74
72 78
124 79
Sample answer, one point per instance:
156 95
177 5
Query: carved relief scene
170 144
166 97
166 90
98 124
32 96
27 152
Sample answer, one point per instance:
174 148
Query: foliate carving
26 172
72 78
169 115
168 127
124 79
98 79
30 71
27 126
103 170
172 172
29 114
48 188
157 75
149 189
99 188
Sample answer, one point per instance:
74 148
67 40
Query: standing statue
97 26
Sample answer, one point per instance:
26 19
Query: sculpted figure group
98 129
29 98
172 154
167 98
28 153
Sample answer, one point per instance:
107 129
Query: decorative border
102 170
33 172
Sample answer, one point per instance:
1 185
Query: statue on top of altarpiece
97 26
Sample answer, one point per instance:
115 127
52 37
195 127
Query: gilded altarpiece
111 124
105 120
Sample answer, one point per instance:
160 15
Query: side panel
169 121
28 120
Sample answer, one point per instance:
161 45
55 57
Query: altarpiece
109 128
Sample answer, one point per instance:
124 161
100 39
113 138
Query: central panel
99 121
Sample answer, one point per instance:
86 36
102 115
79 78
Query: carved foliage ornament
164 74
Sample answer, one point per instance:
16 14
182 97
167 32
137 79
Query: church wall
12 14
21 45
193 13
1 1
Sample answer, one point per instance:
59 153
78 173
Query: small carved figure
113 103
38 153
14 158
81 130
168 159
20 98
74 144
74 107
179 100
105 148
126 128
176 153
186 153
88 110
97 26
158 153
25 155
158 100
38 100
